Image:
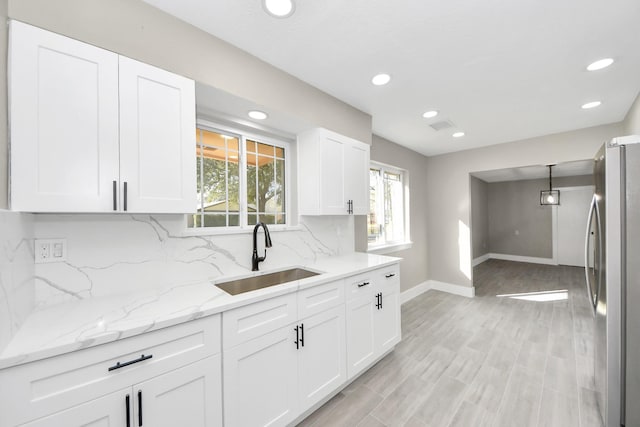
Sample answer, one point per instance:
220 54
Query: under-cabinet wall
16 272
109 254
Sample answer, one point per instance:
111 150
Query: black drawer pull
297 341
127 401
140 408
389 275
115 199
131 362
362 284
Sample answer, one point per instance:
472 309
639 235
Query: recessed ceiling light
593 104
381 79
458 135
430 114
600 64
279 8
258 115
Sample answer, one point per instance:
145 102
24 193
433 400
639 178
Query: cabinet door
63 98
333 200
109 410
360 339
188 396
387 321
321 361
157 139
356 174
260 381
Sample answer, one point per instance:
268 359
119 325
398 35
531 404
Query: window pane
252 219
394 207
376 214
280 152
218 174
252 205
265 186
279 187
251 146
266 150
215 220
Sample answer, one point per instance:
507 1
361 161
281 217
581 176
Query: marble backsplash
111 254
17 297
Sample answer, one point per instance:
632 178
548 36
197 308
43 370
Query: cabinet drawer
320 298
361 285
251 321
39 388
389 275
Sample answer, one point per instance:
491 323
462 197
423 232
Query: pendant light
550 196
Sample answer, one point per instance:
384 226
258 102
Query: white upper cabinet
157 139
86 123
63 107
333 174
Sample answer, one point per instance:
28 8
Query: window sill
204 231
387 249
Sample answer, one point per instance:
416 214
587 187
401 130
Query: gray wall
514 207
448 180
413 268
479 216
632 121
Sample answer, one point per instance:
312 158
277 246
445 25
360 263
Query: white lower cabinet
260 381
360 337
272 379
321 360
105 411
167 377
373 317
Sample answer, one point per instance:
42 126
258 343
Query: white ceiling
577 168
500 70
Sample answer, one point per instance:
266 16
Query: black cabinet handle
140 408
115 198
362 284
297 341
130 362
389 275
127 401
380 300
302 334
125 196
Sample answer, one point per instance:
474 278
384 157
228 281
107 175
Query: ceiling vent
438 126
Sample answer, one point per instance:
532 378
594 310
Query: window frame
243 136
406 243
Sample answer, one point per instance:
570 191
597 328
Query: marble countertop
76 325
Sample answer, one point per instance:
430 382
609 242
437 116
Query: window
241 180
388 211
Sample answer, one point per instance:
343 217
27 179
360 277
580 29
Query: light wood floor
483 361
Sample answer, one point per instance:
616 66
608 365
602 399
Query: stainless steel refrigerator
612 268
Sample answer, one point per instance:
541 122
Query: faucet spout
255 259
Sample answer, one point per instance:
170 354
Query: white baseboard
518 258
465 291
436 285
411 293
480 259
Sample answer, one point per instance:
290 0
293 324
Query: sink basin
248 284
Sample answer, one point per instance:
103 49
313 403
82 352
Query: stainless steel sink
248 284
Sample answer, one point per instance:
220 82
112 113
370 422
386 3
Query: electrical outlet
50 250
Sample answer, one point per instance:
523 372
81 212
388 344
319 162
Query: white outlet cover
50 250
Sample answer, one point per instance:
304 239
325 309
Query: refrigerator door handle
587 240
